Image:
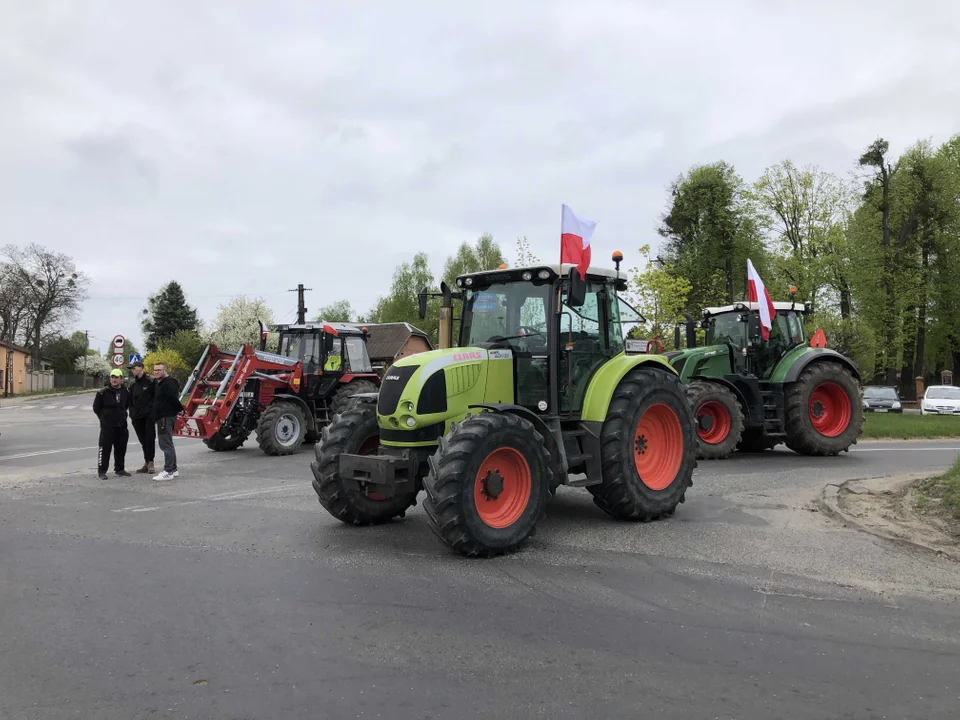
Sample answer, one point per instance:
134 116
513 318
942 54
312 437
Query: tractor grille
461 378
394 381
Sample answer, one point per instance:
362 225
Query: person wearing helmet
110 405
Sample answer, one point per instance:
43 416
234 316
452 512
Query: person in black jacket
110 405
141 410
166 407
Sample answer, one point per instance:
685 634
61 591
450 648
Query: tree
484 254
49 287
94 365
525 258
400 305
339 311
167 312
63 352
710 231
659 294
188 344
176 366
804 210
238 323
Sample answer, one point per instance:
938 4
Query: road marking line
239 495
45 452
69 407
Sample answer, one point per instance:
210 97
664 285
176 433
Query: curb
829 502
10 402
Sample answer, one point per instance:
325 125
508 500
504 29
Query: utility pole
301 308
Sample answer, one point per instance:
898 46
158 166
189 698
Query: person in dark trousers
166 407
141 411
110 405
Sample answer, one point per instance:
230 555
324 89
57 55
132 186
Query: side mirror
422 304
578 289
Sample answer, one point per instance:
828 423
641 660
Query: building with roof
13 368
388 342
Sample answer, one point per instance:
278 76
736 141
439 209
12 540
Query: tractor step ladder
772 414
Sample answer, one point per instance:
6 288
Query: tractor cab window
303 346
727 328
333 361
358 360
589 335
513 316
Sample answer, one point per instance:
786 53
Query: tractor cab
557 328
738 327
325 348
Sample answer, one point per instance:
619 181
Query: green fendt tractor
751 394
540 393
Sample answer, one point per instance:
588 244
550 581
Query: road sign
119 341
134 357
118 360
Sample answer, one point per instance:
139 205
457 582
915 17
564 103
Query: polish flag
575 233
756 290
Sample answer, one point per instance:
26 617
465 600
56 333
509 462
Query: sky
244 147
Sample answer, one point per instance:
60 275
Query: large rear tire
281 429
355 432
648 448
719 419
488 484
342 398
824 415
227 441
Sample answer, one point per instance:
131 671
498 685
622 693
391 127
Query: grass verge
878 426
941 494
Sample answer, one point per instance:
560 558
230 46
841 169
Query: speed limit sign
118 360
119 341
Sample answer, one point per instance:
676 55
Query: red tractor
287 397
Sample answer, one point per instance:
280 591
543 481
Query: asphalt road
229 593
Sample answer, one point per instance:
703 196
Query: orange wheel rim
502 488
716 418
658 446
369 447
830 410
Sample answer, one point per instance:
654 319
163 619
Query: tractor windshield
511 313
357 357
727 328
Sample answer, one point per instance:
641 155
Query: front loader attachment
226 383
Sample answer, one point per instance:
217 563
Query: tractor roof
514 274
745 305
320 326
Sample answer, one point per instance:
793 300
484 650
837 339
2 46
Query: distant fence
61 381
38 381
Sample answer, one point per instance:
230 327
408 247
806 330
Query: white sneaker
164 476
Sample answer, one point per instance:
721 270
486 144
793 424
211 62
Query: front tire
648 448
355 432
719 419
823 411
488 484
281 429
342 398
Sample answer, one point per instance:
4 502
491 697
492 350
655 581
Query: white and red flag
575 233
757 293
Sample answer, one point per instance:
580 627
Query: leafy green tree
484 254
176 366
400 304
660 295
63 352
339 311
525 258
165 314
711 230
188 344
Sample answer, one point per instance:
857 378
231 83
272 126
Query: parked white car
941 400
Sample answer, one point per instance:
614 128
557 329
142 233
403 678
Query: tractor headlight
469 281
409 421
543 274
527 275
408 406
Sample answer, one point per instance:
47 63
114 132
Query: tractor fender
606 379
557 457
308 414
819 355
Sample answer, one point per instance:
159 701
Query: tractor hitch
387 475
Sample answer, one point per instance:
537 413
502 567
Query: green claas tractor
751 394
540 393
